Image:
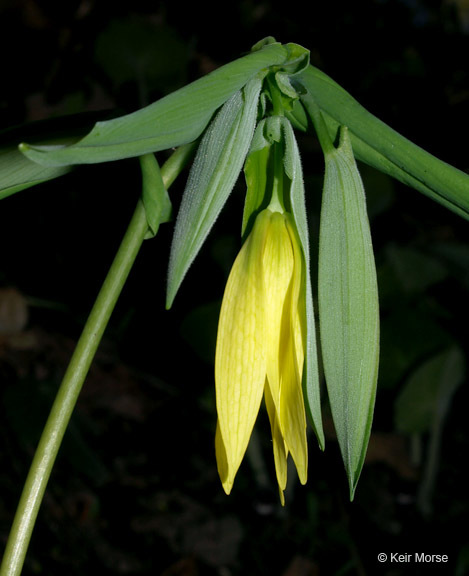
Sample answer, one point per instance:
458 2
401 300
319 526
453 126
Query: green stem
67 395
277 104
75 375
277 203
319 124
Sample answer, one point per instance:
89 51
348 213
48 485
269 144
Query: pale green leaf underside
216 168
348 307
174 120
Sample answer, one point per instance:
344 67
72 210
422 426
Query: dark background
135 490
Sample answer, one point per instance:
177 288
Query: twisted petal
284 306
260 347
278 270
240 360
292 410
280 449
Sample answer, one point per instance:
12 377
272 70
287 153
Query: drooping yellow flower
260 349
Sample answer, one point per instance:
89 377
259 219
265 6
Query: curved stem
67 395
319 124
75 375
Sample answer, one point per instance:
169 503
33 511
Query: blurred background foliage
135 490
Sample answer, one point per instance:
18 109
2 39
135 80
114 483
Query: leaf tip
169 301
321 441
353 482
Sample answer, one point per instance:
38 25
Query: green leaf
216 168
311 388
18 173
298 116
174 120
348 306
298 61
154 195
427 393
382 147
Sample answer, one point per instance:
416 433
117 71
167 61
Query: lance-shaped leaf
382 147
213 175
348 306
174 120
293 169
18 172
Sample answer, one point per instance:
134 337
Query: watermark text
414 558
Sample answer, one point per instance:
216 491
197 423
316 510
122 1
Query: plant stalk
59 417
67 395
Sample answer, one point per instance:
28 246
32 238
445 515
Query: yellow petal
292 410
280 450
278 270
240 364
222 462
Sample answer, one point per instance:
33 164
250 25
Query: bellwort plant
242 118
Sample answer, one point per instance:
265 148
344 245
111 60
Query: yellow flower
260 349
